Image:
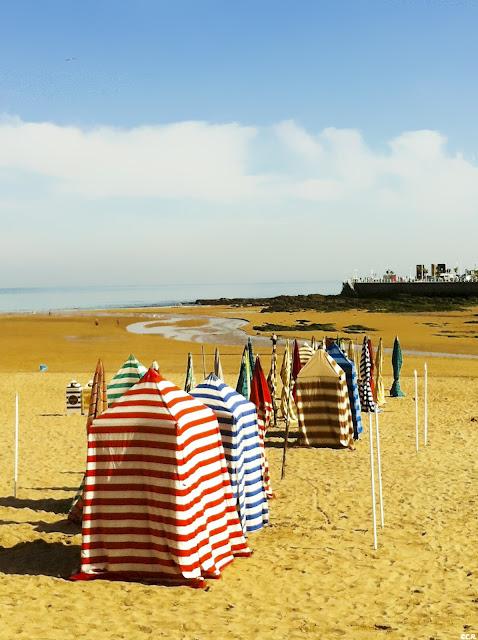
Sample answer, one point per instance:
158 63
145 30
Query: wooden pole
416 409
379 469
15 471
203 361
372 481
287 425
425 402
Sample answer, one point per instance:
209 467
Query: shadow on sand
40 558
47 504
61 526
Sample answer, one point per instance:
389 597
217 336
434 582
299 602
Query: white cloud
197 186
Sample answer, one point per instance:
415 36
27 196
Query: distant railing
399 279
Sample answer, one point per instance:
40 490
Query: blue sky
310 115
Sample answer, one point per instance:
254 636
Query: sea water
38 299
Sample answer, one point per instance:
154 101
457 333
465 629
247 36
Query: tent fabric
129 374
287 401
217 365
243 449
348 368
397 360
366 396
190 381
262 399
305 353
323 406
379 386
158 502
98 404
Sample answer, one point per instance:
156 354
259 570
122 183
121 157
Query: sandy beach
314 573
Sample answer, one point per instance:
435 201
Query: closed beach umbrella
372 366
397 360
244 380
217 365
287 402
379 388
98 404
190 382
366 397
296 363
262 399
272 377
250 353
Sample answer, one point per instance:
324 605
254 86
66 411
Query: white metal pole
379 469
15 472
425 402
416 409
372 482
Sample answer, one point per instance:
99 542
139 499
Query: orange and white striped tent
158 504
323 406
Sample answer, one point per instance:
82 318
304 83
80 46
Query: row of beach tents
177 479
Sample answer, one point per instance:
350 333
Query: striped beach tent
190 381
262 399
158 502
323 405
244 451
130 373
348 367
305 353
287 403
366 395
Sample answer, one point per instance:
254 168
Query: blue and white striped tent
352 385
237 420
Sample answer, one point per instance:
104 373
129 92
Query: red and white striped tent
323 406
158 504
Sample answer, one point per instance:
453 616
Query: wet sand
314 573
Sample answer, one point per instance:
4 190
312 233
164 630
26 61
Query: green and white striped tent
130 373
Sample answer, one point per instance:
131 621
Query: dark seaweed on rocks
317 302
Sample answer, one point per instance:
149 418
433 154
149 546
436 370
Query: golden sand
314 573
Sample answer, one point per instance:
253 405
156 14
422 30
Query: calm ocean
57 298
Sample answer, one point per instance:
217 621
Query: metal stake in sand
425 408
372 482
416 409
15 468
379 469
203 360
